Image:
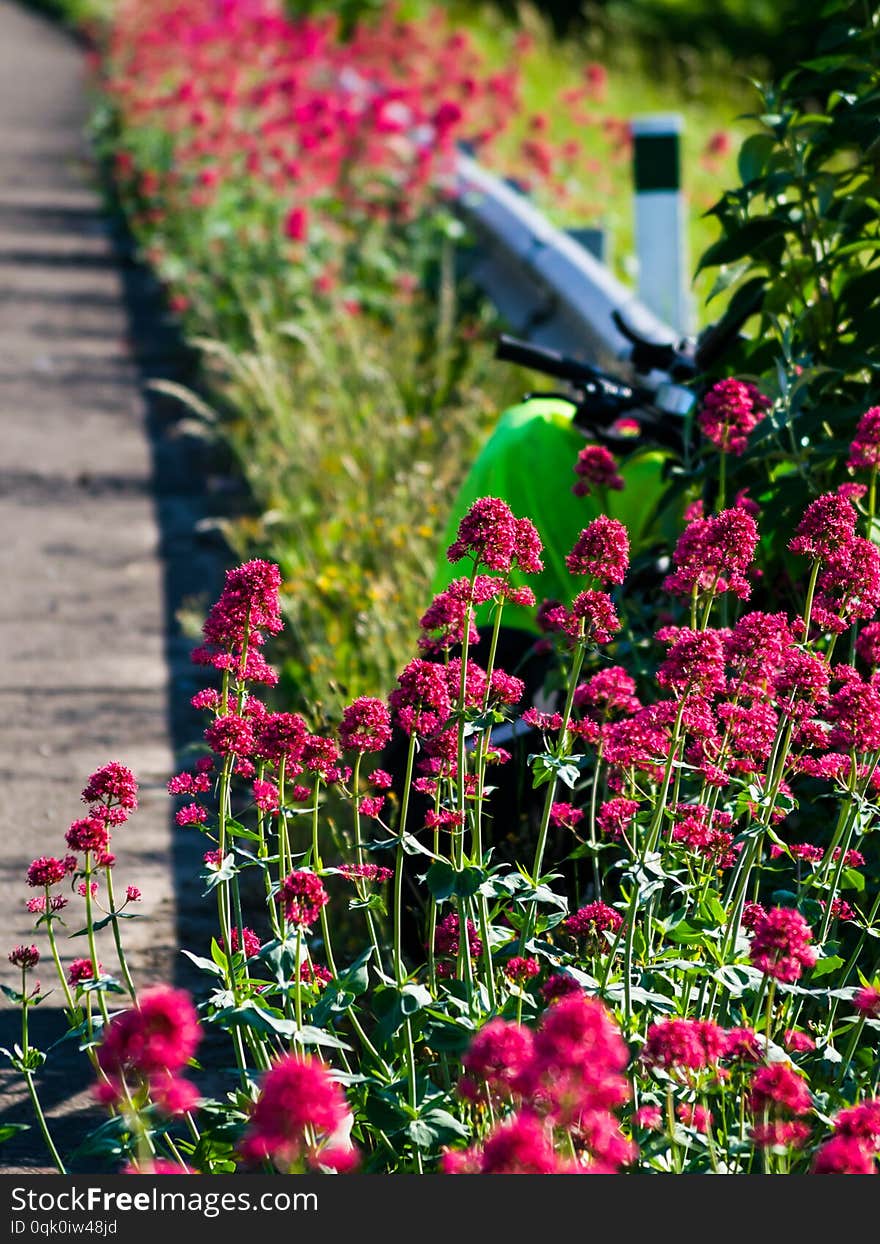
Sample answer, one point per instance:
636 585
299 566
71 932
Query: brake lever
674 358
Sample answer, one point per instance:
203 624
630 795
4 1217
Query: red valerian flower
789 1132
446 937
868 644
609 692
521 968
280 736
366 725
843 1155
828 525
48 871
713 555
191 814
615 815
695 661
778 1088
248 606
158 1166
160 1034
421 699
601 550
366 872
88 834
301 895
596 468
730 411
248 941
579 1063
266 796
781 944
864 452
230 735
688 1043
867 1001
299 1108
798 1042
592 921
112 784
24 957
496 1059
862 1122
848 587
519 1146
296 224
493 537
565 815
691 1115
81 970
560 985
596 611
854 713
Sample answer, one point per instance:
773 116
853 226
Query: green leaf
238 830
444 881
748 239
753 156
420 1133
280 957
248 1015
413 998
444 1125
307 1035
8 1130
103 984
97 925
356 977
204 965
448 1036
440 880
214 876
687 933
825 966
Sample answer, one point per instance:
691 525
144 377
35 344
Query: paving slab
100 499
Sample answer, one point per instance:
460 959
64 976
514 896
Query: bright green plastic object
528 462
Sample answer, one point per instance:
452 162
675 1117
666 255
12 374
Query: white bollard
660 225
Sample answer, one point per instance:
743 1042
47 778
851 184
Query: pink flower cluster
312 122
301 897
730 411
596 468
864 453
296 1116
781 944
567 1075
151 1043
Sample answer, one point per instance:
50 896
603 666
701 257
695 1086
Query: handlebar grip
539 358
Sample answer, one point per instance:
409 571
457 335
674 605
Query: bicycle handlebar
540 358
675 359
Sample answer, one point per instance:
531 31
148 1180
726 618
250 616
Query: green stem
117 937
93 951
29 1080
808 607
398 870
359 854
71 1004
297 984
